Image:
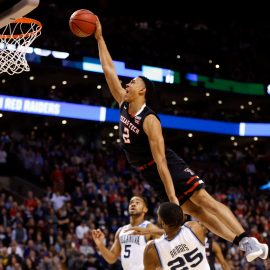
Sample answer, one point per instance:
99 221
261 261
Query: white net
15 39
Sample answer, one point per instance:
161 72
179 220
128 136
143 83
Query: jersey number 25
193 258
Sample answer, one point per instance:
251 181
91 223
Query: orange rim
26 21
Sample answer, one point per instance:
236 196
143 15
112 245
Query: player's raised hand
98 33
98 237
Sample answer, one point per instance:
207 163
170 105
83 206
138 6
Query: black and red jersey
136 146
133 139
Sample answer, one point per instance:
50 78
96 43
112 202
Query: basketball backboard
13 9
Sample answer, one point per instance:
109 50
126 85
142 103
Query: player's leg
253 249
209 220
188 184
203 199
225 218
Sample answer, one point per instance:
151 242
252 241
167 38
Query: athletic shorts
186 182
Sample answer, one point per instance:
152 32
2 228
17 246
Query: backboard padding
18 10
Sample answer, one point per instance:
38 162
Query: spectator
4 257
4 217
82 229
19 234
86 248
63 219
57 179
31 202
59 200
15 249
46 263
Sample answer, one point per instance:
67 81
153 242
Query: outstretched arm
151 231
110 255
152 128
156 231
112 79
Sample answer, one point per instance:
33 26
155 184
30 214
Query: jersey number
193 257
126 135
127 251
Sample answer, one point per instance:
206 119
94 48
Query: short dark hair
171 214
145 201
149 87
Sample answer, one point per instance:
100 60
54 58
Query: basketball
82 23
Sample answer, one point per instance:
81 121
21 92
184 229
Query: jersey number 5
127 251
126 135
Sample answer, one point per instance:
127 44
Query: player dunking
142 140
129 247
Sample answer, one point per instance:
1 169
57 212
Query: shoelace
247 247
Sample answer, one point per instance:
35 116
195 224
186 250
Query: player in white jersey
182 246
132 247
129 247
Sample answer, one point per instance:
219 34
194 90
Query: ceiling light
60 55
268 89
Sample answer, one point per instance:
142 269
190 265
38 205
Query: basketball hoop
15 39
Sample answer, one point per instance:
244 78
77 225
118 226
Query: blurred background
59 173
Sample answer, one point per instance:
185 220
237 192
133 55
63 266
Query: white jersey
183 252
132 248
